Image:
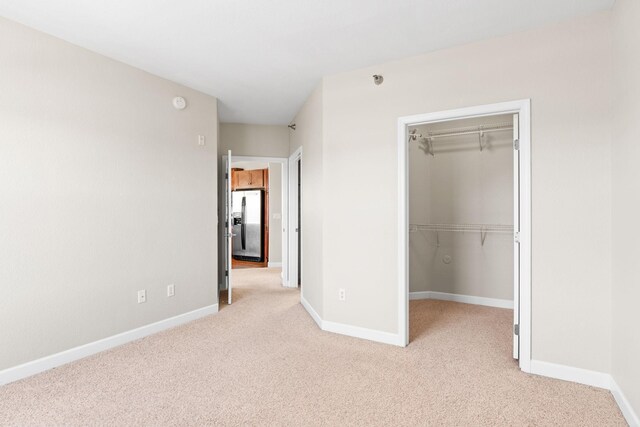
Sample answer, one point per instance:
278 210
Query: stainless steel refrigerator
247 207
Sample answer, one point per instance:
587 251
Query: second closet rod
464 131
483 228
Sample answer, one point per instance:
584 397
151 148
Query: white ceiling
263 58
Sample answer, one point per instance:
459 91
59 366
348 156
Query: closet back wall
460 184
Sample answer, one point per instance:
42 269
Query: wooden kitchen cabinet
242 179
257 178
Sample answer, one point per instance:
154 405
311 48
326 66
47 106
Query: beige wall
460 184
626 206
308 135
104 192
565 70
254 140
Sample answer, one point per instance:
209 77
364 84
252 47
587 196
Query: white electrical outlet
342 295
171 290
142 296
201 140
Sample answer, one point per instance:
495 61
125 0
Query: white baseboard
467 299
569 373
287 284
314 314
48 362
364 333
351 331
591 378
627 410
274 264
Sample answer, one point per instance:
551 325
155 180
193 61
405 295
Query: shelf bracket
413 135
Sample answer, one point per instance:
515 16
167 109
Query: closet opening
465 224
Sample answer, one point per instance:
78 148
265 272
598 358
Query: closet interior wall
461 184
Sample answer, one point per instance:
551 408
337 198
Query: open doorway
465 217
256 201
254 210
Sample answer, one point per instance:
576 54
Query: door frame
292 273
523 109
285 202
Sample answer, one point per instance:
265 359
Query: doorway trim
523 109
292 272
284 161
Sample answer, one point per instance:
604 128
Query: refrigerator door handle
243 225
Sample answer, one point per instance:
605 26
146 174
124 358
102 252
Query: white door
229 224
516 237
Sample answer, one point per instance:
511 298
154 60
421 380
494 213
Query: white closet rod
476 130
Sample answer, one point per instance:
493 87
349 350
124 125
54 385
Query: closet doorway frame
523 109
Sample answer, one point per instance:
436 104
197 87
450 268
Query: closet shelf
480 228
483 229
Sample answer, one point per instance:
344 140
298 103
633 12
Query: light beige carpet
263 361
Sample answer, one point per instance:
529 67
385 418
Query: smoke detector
179 103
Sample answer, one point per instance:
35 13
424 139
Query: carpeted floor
263 361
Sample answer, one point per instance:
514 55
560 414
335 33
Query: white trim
627 410
352 331
258 159
466 299
525 234
285 202
590 378
403 230
228 203
419 295
569 373
314 314
523 108
292 267
364 333
48 362
271 264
